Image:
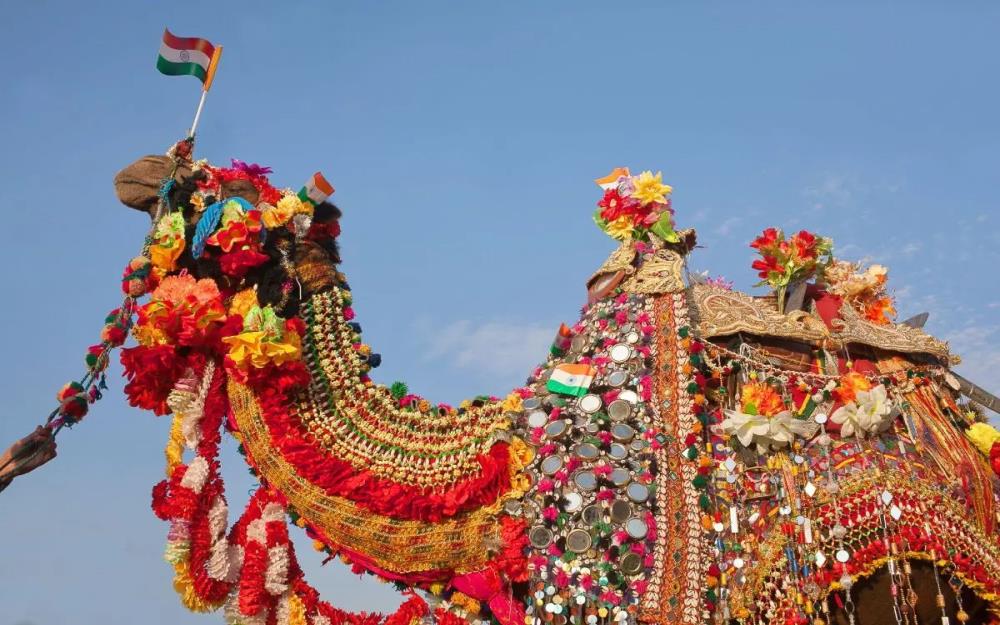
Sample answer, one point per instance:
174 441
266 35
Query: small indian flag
611 180
316 190
571 379
181 56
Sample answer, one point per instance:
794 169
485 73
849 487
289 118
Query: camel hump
138 184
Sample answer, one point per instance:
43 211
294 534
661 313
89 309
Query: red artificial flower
804 244
613 206
767 266
236 233
766 240
237 264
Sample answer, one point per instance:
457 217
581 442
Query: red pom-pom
73 402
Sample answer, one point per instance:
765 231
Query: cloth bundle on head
138 185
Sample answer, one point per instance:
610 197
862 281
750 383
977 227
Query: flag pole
209 77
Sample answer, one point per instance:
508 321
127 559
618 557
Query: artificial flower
242 302
294 203
620 228
804 245
238 228
649 189
768 268
786 261
871 412
761 399
767 433
613 205
264 340
983 436
272 217
168 242
863 290
766 240
181 311
881 311
238 263
850 384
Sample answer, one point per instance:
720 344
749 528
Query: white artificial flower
871 412
766 433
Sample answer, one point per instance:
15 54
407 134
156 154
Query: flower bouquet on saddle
789 261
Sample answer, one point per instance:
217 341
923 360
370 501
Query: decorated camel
683 454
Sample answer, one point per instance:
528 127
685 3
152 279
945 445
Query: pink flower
554 415
605 437
586 582
550 513
561 476
555 550
621 317
547 449
639 586
348 313
546 486
572 464
622 298
602 470
619 537
561 578
605 495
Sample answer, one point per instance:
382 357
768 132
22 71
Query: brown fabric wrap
138 184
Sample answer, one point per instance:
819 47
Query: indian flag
611 180
180 56
571 379
316 190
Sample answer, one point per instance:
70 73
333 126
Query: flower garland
206 325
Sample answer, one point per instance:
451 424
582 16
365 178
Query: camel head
231 225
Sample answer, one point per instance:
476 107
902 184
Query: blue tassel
165 188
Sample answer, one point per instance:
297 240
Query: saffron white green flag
571 379
180 56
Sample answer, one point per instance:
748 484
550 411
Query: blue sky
462 139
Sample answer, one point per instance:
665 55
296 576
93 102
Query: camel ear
138 184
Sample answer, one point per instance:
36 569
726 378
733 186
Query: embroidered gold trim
399 546
719 312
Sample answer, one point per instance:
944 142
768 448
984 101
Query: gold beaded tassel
939 598
956 585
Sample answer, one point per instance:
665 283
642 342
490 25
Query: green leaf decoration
664 229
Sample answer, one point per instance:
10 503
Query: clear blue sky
462 139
